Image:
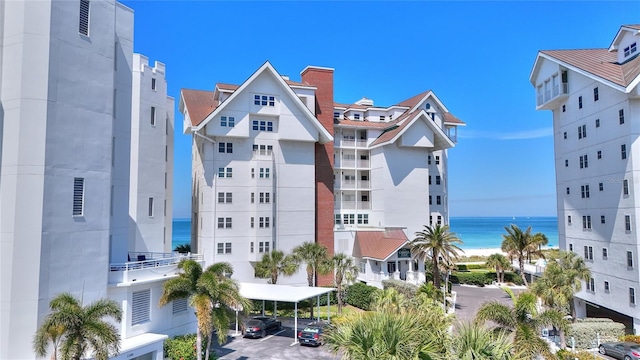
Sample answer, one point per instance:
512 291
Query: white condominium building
594 95
277 162
86 137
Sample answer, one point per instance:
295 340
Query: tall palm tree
345 271
211 293
474 341
520 244
316 258
523 321
500 263
437 243
561 279
78 329
275 263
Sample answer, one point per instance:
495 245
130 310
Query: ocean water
475 232
486 232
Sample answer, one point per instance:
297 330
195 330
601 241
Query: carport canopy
285 293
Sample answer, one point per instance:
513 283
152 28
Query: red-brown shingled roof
379 244
633 26
599 62
450 118
229 87
414 100
199 104
363 123
394 128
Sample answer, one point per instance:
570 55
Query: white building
276 162
594 95
76 173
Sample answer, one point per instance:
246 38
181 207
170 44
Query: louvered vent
179 305
140 307
78 196
83 26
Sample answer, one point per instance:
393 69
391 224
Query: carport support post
237 323
295 323
262 307
328 307
275 309
318 307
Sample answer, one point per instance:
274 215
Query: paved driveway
470 298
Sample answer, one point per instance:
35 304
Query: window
265 198
627 223
437 160
381 117
262 149
225 198
428 159
252 222
584 190
264 100
439 220
83 26
629 259
262 125
429 179
263 246
438 179
179 305
224 223
586 222
623 151
430 200
579 102
597 123
601 186
566 163
584 161
253 173
150 207
220 248
140 307
348 219
338 220
606 286
251 247
605 253
595 94
336 116
363 219
582 131
591 286
625 187
599 154
621 116
564 108
263 222
438 200
570 247
78 196
356 116
632 296
568 191
264 173
227 248
565 134
569 219
602 219
153 116
229 121
588 252
225 172
153 84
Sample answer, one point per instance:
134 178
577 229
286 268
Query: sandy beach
490 251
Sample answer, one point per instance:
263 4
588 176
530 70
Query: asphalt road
470 298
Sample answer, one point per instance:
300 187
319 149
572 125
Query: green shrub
183 347
630 338
512 277
473 278
466 267
569 355
360 295
404 288
585 331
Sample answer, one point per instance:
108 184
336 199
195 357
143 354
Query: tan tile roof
199 104
379 244
599 62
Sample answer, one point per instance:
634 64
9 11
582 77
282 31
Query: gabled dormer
626 42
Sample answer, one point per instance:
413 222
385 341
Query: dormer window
356 116
427 106
264 100
336 116
630 49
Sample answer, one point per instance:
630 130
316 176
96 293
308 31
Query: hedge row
464 267
404 288
483 278
360 295
587 330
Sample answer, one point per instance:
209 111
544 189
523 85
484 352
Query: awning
285 293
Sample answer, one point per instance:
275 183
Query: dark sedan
259 326
312 334
620 350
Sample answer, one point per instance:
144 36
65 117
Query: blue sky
476 56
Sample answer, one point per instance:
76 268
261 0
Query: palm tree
473 341
183 248
523 321
499 262
275 263
77 329
520 244
316 258
344 271
389 300
211 293
561 279
437 243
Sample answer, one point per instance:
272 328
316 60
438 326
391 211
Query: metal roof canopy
284 293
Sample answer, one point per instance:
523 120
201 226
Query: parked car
312 333
621 350
259 326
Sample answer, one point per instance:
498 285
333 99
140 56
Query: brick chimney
322 78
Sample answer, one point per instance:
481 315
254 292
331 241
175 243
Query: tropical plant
344 272
183 248
472 341
389 300
520 244
523 321
316 257
561 279
500 263
75 330
437 243
211 293
275 263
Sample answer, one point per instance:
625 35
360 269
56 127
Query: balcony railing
555 92
353 205
148 266
350 143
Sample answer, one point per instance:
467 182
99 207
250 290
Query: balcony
551 97
350 143
352 163
148 266
352 205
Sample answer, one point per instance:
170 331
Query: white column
318 308
295 323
